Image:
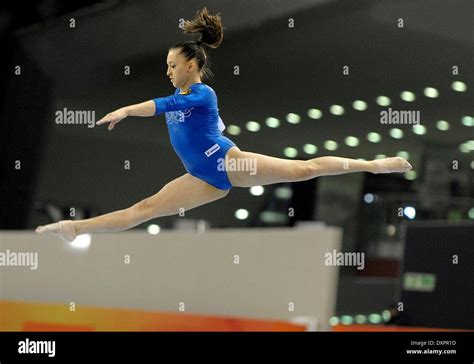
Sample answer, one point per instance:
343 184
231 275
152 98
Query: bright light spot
369 198
272 122
375 318
153 229
382 100
241 214
374 137
284 193
410 175
290 152
407 96
359 105
471 213
333 321
403 154
257 190
386 315
380 156
470 144
315 113
352 141
253 126
330 145
468 120
82 241
360 319
459 86
409 212
293 118
442 125
464 148
419 129
310 149
347 320
233 130
336 110
431 92
396 133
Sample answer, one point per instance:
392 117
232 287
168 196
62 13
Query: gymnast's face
180 71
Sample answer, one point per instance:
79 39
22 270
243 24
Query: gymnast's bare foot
64 229
391 165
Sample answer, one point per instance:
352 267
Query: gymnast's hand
113 118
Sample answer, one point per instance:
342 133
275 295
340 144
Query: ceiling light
407 96
315 113
272 122
293 118
374 137
359 105
253 126
290 152
396 133
336 110
330 145
383 100
310 149
442 125
352 141
459 86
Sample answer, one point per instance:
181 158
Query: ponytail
210 27
212 33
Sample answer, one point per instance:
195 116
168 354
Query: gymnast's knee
144 210
307 170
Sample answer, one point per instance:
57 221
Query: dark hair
212 32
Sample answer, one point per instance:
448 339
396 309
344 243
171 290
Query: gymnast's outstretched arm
146 108
158 105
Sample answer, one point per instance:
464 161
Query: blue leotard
195 130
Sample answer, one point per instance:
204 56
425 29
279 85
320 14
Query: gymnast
195 129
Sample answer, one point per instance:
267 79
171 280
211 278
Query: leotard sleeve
199 96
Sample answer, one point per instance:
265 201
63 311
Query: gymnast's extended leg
269 170
181 194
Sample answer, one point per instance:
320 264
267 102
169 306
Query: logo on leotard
177 116
212 150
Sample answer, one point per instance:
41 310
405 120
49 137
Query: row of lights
359 105
373 318
408 211
419 129
396 133
374 137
